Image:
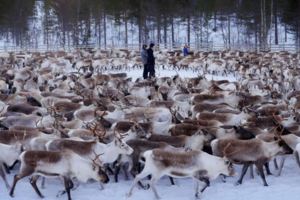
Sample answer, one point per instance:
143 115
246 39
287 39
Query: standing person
151 61
144 55
185 50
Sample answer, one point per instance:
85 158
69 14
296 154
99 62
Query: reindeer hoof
223 179
238 183
198 195
61 193
266 185
129 194
278 174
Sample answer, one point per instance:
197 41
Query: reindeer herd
63 115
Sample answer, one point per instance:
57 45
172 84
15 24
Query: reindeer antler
97 158
138 125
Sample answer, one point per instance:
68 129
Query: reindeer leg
207 184
267 168
251 172
196 188
33 181
244 170
171 180
137 168
223 178
13 165
6 168
137 179
68 186
71 186
281 165
261 172
275 163
152 185
2 174
116 172
125 172
25 172
145 187
109 170
43 182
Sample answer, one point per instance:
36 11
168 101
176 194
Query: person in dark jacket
144 55
185 50
151 61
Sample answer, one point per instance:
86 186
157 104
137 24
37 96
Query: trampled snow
285 187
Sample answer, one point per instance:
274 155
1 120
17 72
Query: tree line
132 22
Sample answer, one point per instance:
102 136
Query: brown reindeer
247 152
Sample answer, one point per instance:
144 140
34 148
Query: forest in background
129 23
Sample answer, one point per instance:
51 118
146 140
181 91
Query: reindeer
181 164
65 164
26 108
247 152
224 118
183 129
23 136
128 130
108 152
194 142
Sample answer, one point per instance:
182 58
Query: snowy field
285 187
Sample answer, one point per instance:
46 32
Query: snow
160 72
284 187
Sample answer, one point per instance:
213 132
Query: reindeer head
138 129
122 147
285 149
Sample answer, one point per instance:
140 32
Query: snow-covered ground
137 73
285 187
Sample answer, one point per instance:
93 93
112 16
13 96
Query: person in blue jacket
185 50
